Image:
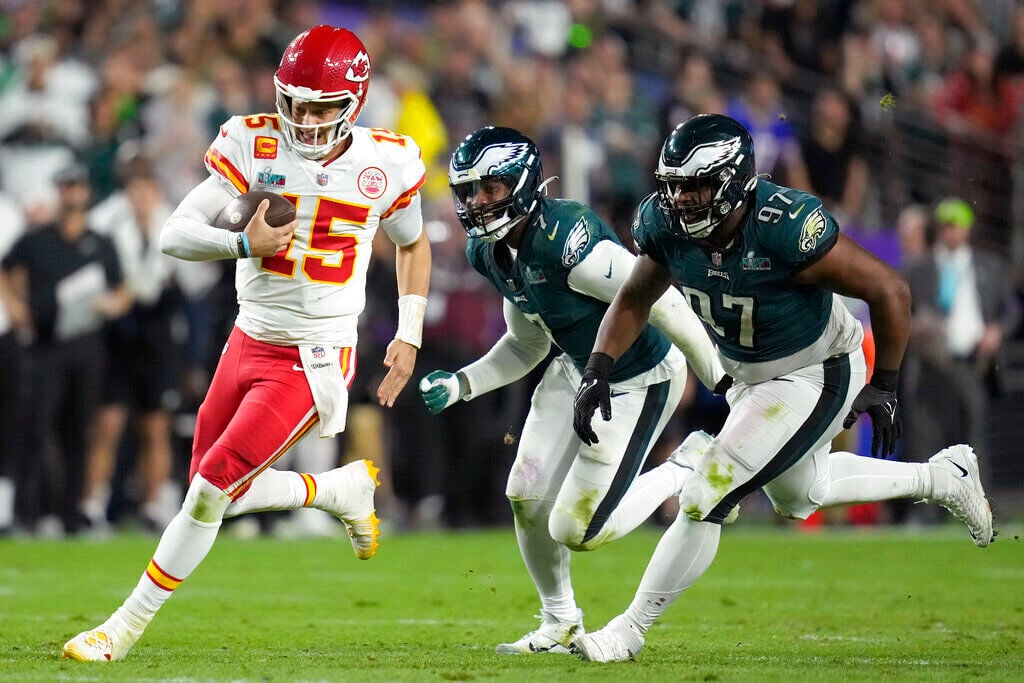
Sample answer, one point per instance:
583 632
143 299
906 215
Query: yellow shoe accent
364 535
372 470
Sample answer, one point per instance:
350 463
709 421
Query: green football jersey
561 235
745 294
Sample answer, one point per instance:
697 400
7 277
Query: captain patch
813 229
265 147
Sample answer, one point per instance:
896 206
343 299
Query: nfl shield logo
321 179
716 258
318 352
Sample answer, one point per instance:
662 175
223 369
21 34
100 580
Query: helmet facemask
701 219
486 160
493 220
333 132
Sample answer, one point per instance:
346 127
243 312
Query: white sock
684 553
274 490
183 545
546 560
644 496
858 479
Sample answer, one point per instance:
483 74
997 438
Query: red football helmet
324 64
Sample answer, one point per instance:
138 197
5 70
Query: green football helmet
708 152
494 154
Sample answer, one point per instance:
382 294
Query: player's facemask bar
333 131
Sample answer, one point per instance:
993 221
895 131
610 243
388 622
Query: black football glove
594 392
878 399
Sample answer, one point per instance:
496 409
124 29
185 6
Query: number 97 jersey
313 291
745 294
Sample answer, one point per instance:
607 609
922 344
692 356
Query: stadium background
934 92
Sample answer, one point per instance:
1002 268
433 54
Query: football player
557 265
287 363
764 266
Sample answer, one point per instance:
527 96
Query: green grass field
777 605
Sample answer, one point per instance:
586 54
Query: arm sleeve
604 270
188 235
600 274
519 350
674 317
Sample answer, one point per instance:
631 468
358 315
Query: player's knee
569 530
529 513
205 502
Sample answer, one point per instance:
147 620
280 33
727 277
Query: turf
777 605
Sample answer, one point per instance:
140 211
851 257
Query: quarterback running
287 365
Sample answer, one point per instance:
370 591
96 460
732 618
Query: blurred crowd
903 115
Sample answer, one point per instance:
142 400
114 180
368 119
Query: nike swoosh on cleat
541 649
963 472
296 366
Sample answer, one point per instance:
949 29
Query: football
239 211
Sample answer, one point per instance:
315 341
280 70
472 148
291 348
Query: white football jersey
314 291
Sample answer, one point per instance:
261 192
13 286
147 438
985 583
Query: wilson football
239 211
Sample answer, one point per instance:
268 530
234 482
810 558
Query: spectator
60 283
963 309
760 110
832 151
13 384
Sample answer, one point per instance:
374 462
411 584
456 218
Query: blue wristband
245 244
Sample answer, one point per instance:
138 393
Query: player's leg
602 497
825 479
769 427
345 492
683 554
226 466
547 447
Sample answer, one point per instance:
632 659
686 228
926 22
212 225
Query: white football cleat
553 637
956 486
105 643
619 641
347 493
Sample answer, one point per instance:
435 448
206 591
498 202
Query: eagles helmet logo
496 157
704 158
813 228
575 243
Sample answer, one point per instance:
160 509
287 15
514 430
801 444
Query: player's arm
412 268
519 350
850 270
189 234
601 275
621 325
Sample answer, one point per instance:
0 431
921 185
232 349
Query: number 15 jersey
313 291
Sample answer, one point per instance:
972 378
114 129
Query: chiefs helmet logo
359 69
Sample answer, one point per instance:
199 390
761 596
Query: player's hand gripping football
594 393
264 239
878 399
440 390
